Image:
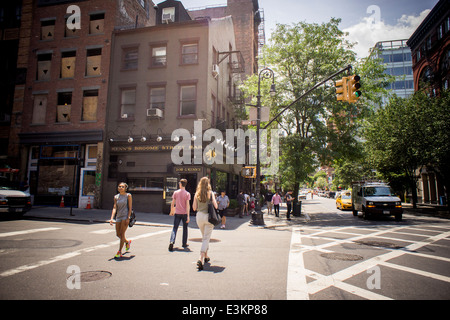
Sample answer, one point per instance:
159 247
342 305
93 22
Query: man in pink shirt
276 200
180 208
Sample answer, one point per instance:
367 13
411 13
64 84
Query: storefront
151 176
64 168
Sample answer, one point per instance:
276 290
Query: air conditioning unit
168 17
215 70
154 113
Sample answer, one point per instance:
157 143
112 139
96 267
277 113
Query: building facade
61 133
167 77
430 47
396 56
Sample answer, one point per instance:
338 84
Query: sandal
199 265
207 260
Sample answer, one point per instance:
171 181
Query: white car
14 201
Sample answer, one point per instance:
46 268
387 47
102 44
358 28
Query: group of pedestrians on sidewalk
180 209
274 200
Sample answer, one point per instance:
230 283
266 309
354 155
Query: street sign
253 114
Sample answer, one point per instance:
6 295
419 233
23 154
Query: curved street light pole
265 73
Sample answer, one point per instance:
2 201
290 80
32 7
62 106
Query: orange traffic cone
89 203
61 205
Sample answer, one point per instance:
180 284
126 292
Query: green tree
316 129
408 134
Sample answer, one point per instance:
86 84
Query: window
44 66
168 15
130 58
189 53
70 30
39 108
188 100
128 103
157 98
93 63
90 100
47 29
146 184
68 64
159 56
63 107
96 23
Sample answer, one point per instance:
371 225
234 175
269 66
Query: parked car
344 201
301 196
13 200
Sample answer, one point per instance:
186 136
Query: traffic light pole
347 68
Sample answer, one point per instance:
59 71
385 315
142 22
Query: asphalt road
325 254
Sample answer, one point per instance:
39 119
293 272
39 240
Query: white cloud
367 33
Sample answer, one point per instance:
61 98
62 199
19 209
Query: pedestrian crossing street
367 262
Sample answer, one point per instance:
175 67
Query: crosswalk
310 280
66 255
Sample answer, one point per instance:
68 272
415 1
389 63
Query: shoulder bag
214 217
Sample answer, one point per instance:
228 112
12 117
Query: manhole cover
90 276
341 256
382 244
200 240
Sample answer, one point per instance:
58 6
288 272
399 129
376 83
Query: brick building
63 103
430 47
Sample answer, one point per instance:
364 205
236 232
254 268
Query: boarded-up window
96 23
39 108
47 30
94 59
44 66
90 100
68 64
71 30
64 107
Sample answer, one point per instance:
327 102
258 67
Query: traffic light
353 88
341 89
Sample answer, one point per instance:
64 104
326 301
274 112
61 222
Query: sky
366 21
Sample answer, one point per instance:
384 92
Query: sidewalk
149 219
95 216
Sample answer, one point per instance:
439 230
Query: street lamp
265 73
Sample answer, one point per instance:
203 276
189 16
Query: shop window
146 184
189 53
90 101
159 56
128 103
130 58
97 23
48 29
39 108
68 64
64 107
44 66
93 63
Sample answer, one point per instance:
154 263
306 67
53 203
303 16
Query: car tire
355 212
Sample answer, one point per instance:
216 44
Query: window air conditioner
154 113
215 70
167 17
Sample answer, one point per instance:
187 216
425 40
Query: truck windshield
378 191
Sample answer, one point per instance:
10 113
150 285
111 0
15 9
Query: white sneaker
222 226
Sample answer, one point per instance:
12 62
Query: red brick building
430 48
60 138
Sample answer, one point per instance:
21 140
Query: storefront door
87 190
